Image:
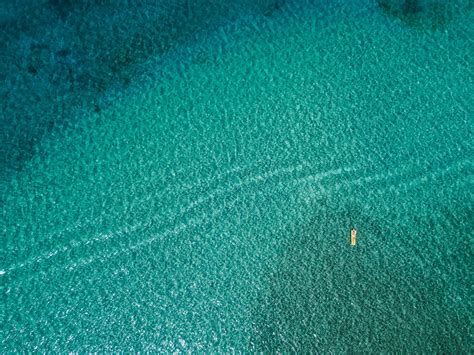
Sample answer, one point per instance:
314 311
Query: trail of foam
174 188
175 230
142 225
257 179
398 172
318 177
196 222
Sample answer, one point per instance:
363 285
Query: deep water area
183 176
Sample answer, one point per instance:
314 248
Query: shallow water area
189 182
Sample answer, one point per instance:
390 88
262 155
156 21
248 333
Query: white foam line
127 229
320 176
194 222
429 177
391 174
174 230
178 229
255 179
181 187
203 199
358 180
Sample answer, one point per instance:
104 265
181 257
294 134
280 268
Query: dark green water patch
73 54
272 8
378 296
425 14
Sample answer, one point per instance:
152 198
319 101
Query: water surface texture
183 175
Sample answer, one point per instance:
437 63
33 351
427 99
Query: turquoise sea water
183 176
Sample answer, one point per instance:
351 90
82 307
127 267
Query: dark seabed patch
72 54
379 296
424 14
